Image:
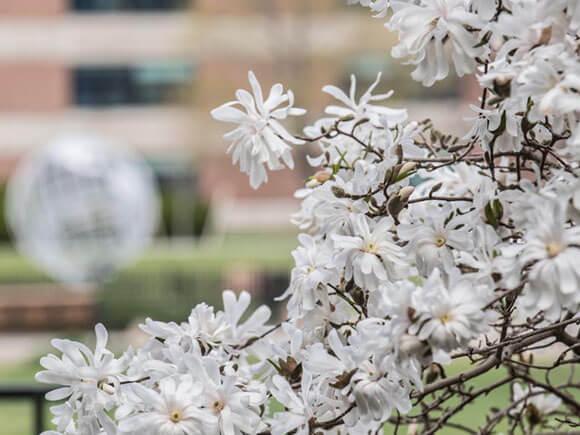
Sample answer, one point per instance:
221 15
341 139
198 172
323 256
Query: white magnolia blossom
362 108
314 268
449 315
260 139
171 411
433 233
83 374
424 31
416 248
550 251
370 255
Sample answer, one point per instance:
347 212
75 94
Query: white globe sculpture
81 208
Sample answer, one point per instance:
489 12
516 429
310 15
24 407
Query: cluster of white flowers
410 239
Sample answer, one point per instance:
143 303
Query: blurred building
120 69
147 73
105 66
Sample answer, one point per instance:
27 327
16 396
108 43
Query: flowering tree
418 248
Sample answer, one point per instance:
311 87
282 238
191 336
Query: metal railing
32 393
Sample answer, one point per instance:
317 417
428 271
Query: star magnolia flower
394 301
433 235
84 374
448 316
423 31
234 309
531 23
461 180
236 407
203 326
370 255
552 250
555 84
377 390
260 140
313 267
170 411
363 108
481 258
298 410
63 418
302 406
318 361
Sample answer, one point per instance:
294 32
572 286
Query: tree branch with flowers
418 249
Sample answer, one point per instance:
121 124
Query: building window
127 5
103 86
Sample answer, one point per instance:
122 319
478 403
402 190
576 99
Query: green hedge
170 279
167 294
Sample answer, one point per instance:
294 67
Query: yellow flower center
440 241
372 248
446 318
175 416
218 406
553 249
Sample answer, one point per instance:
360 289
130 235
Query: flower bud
408 167
107 388
406 192
322 176
338 192
502 86
410 345
436 188
545 36
399 153
493 212
395 205
312 183
433 373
